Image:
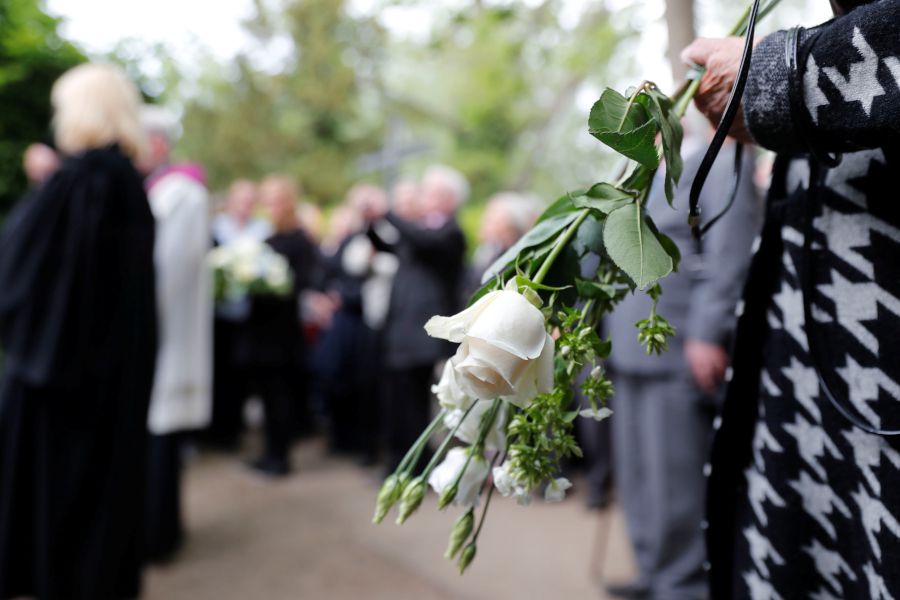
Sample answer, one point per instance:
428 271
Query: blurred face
497 227
242 200
406 201
157 153
40 163
438 198
277 199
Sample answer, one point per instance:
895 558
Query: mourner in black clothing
430 255
78 329
271 343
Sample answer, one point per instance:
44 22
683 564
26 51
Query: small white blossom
445 474
556 490
596 414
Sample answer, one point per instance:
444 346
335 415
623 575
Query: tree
32 57
306 118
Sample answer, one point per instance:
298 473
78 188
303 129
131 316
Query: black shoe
270 467
634 590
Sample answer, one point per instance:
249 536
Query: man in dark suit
664 405
431 254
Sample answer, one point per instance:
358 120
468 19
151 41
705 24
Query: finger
699 51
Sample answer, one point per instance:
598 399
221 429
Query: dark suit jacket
426 284
699 300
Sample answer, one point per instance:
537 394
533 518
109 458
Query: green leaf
562 205
538 234
667 243
603 197
625 127
659 106
601 347
594 290
633 246
589 237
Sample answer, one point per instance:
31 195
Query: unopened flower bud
411 499
447 496
466 558
462 529
585 331
564 351
597 372
387 496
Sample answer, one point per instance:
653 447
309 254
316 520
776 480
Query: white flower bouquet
249 267
507 395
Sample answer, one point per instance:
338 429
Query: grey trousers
661 440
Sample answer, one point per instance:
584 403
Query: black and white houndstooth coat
802 503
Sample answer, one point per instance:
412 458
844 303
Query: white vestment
182 389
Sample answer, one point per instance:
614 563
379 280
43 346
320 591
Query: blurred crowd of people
118 358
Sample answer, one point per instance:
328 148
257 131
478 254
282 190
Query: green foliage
634 247
306 118
32 57
625 126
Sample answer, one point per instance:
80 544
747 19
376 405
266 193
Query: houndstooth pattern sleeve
850 80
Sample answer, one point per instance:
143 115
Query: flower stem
487 504
561 243
443 447
486 425
415 450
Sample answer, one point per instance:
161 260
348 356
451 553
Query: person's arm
849 78
726 259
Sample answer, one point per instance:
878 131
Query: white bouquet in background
249 268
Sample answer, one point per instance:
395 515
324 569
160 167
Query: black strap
731 110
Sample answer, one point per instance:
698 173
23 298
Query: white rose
505 351
469 428
445 474
448 392
556 490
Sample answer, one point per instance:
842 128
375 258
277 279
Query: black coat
272 335
78 326
426 284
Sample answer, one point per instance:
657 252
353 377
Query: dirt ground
310 537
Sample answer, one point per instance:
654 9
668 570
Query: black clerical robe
78 330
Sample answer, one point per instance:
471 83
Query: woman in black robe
78 331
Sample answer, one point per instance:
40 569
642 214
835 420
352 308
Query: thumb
699 51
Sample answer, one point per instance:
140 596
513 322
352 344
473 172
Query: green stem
416 449
561 243
487 504
486 425
443 447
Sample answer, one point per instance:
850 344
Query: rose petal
448 391
509 366
545 366
537 379
454 328
512 323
